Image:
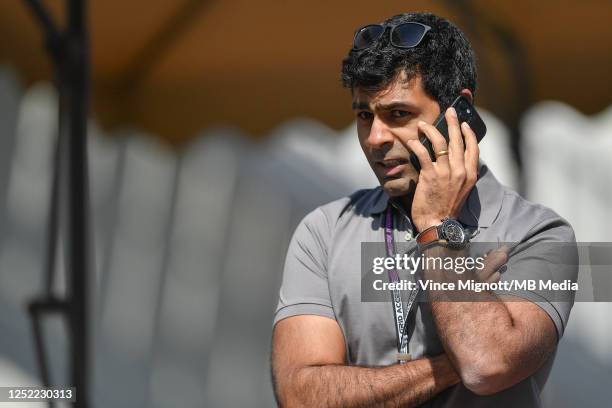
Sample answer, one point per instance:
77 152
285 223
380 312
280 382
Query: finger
487 275
437 140
495 277
497 258
492 263
471 147
421 153
455 143
482 275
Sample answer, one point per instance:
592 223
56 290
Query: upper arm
308 340
549 255
518 349
302 341
305 330
537 316
304 289
535 333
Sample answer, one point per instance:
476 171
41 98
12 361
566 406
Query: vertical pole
77 78
69 50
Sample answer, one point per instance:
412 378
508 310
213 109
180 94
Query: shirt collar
482 205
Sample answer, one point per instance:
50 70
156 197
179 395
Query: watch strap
428 236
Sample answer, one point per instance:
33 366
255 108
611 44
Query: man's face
385 121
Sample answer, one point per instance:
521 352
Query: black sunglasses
405 35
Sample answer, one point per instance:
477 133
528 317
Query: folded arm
494 342
309 369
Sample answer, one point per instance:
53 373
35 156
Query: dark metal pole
69 50
78 217
53 36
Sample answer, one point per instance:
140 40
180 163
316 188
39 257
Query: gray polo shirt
323 276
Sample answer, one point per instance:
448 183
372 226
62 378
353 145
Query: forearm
406 385
477 331
477 336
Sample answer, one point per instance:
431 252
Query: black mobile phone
465 113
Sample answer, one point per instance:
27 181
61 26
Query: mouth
392 167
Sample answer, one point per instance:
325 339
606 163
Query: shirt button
408 236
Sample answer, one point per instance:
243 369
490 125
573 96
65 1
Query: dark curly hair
444 59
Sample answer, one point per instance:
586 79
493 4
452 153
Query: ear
468 95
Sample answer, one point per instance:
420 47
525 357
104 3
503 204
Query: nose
379 135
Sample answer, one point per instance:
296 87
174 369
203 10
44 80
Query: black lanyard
399 314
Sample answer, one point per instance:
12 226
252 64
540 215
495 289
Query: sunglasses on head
404 35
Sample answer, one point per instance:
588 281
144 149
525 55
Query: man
333 349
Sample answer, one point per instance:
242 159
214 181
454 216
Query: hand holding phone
465 113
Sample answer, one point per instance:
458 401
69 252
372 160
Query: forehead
399 90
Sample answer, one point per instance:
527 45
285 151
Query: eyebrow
389 106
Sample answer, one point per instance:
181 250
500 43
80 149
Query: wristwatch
450 233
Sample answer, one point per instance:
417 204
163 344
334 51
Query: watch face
453 232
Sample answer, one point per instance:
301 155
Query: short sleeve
548 260
304 289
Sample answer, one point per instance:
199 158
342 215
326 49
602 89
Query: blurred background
214 127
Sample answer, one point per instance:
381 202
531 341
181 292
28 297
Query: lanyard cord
399 314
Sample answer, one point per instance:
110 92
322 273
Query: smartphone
465 113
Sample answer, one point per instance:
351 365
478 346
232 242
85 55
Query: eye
399 113
365 115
